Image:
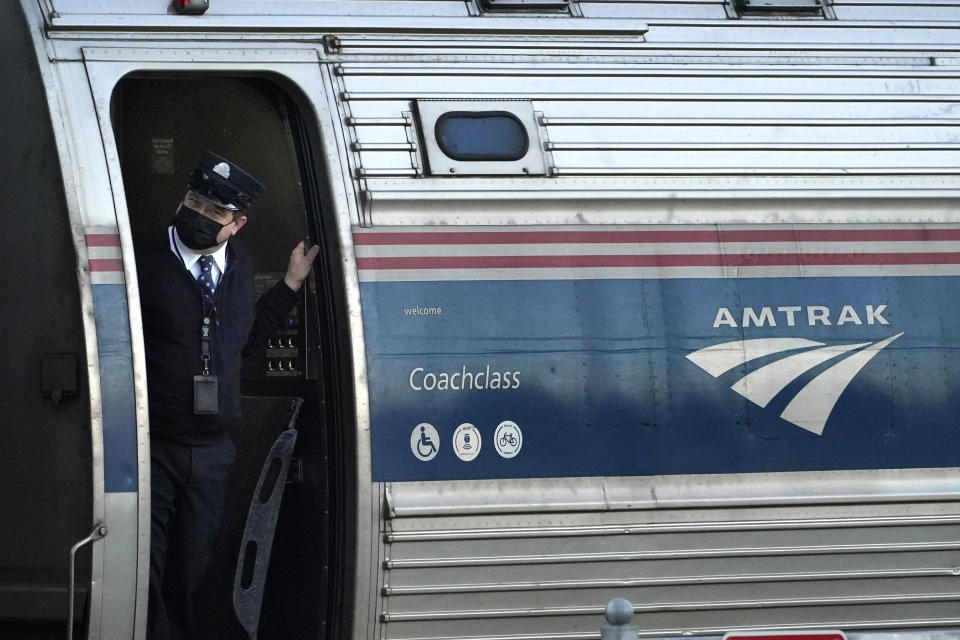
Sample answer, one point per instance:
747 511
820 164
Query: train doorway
162 125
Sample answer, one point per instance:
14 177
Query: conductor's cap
224 183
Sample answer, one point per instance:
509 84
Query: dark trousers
188 486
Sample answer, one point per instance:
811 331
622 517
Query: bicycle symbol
508 439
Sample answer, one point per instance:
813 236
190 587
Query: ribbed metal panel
698 571
699 23
852 116
266 7
854 10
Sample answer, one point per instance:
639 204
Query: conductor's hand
301 261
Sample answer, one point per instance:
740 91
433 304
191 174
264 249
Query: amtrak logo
811 407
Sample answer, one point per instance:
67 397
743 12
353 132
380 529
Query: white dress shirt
190 257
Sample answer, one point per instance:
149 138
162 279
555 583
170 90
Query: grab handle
99 531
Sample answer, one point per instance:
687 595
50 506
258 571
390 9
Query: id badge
205 394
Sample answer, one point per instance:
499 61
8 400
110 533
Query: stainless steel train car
642 298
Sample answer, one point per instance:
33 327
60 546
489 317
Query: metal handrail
99 531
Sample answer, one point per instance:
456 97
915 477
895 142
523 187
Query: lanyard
208 312
205 346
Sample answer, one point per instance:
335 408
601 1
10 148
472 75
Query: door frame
300 69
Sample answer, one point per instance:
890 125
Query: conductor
199 319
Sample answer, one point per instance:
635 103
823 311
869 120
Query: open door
46 465
257 124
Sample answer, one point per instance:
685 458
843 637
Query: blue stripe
595 374
116 388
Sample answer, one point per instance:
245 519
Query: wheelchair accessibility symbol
424 441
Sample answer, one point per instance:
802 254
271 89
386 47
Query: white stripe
651 248
654 273
762 385
635 227
811 407
852 271
101 231
106 277
720 358
103 253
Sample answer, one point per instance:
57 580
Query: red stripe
103 240
106 264
694 260
640 236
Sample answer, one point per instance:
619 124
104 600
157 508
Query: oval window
481 135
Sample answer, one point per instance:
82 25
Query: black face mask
196 230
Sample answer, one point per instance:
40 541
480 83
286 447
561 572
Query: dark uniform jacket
173 309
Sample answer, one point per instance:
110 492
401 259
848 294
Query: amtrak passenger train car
645 298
